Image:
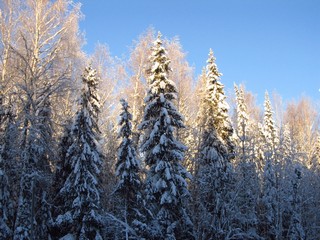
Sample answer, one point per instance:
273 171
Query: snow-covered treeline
97 147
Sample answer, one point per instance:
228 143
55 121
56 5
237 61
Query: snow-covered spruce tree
217 97
215 180
271 199
127 171
242 129
166 185
246 139
270 129
247 175
81 216
266 142
128 165
286 147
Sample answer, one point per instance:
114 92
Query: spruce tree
220 107
286 146
166 185
81 216
215 180
242 129
271 192
270 129
127 166
248 184
127 170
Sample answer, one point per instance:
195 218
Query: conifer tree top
127 166
161 92
90 94
159 80
269 124
215 88
216 108
124 121
212 69
267 106
242 116
241 104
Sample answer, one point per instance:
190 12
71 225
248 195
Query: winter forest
101 147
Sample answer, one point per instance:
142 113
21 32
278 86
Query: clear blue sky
269 45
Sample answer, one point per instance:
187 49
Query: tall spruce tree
215 178
128 165
166 185
220 107
271 224
127 170
242 129
81 216
248 182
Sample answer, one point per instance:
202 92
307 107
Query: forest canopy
100 147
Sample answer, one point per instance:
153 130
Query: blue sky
269 45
